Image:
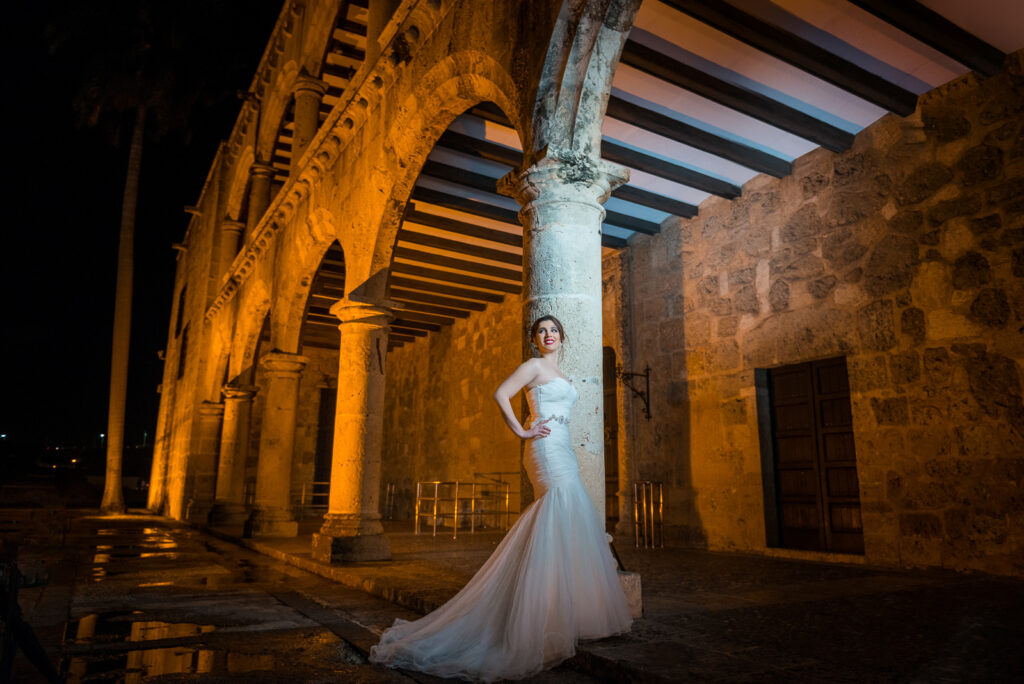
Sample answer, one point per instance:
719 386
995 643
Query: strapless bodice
554 400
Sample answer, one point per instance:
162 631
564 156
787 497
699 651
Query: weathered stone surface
920 524
937 365
1018 262
906 221
922 183
803 224
994 380
854 275
800 267
778 295
890 411
905 367
986 224
991 307
813 183
727 326
745 300
971 270
821 287
912 324
959 206
734 412
875 325
742 276
945 123
892 265
979 164
850 206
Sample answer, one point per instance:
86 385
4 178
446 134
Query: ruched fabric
550 583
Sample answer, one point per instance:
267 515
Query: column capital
211 409
375 315
259 169
232 226
563 176
311 85
237 392
279 363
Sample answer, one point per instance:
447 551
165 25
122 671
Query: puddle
126 626
142 665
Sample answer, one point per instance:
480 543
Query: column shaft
203 461
272 512
259 194
561 217
352 530
228 506
230 236
309 92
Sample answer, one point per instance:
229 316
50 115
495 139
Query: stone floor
137 598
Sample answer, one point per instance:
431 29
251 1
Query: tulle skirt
550 583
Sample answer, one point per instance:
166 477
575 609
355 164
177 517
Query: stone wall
440 422
904 254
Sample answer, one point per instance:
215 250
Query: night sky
63 211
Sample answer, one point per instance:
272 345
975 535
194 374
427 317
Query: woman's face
549 337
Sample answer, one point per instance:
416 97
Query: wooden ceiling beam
463 228
799 52
931 28
659 167
423 307
426 298
741 99
460 264
410 315
343 49
645 198
684 133
482 209
484 149
459 247
402 330
403 268
441 288
338 71
402 322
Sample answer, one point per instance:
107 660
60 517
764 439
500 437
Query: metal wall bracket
627 379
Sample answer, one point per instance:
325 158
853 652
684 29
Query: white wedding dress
550 583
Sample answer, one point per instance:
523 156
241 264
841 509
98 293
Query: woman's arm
522 376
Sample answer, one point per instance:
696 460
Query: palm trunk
113 499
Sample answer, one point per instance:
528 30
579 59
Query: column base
224 514
331 548
270 522
630 582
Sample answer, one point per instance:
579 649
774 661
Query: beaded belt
564 420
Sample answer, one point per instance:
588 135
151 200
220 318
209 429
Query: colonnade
562 215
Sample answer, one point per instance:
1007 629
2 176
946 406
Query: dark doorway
324 445
817 495
611 441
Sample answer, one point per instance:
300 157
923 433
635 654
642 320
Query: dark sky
59 252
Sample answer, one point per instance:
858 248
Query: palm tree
147 59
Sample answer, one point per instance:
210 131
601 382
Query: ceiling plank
645 198
659 167
459 247
799 52
460 176
741 99
441 288
402 322
612 241
402 330
414 296
409 315
464 204
343 49
463 228
452 277
421 307
461 264
615 218
684 133
933 29
480 148
338 71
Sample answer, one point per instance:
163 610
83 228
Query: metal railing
648 508
461 503
314 496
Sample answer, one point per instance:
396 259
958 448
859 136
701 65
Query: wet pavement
142 599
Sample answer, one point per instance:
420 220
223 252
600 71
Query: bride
551 582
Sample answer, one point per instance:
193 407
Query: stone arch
452 86
238 183
576 78
252 308
272 110
294 270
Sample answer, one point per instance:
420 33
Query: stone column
229 504
272 511
309 92
230 235
203 462
561 217
352 530
261 176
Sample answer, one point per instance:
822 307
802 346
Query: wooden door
817 492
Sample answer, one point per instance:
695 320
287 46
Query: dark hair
558 324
